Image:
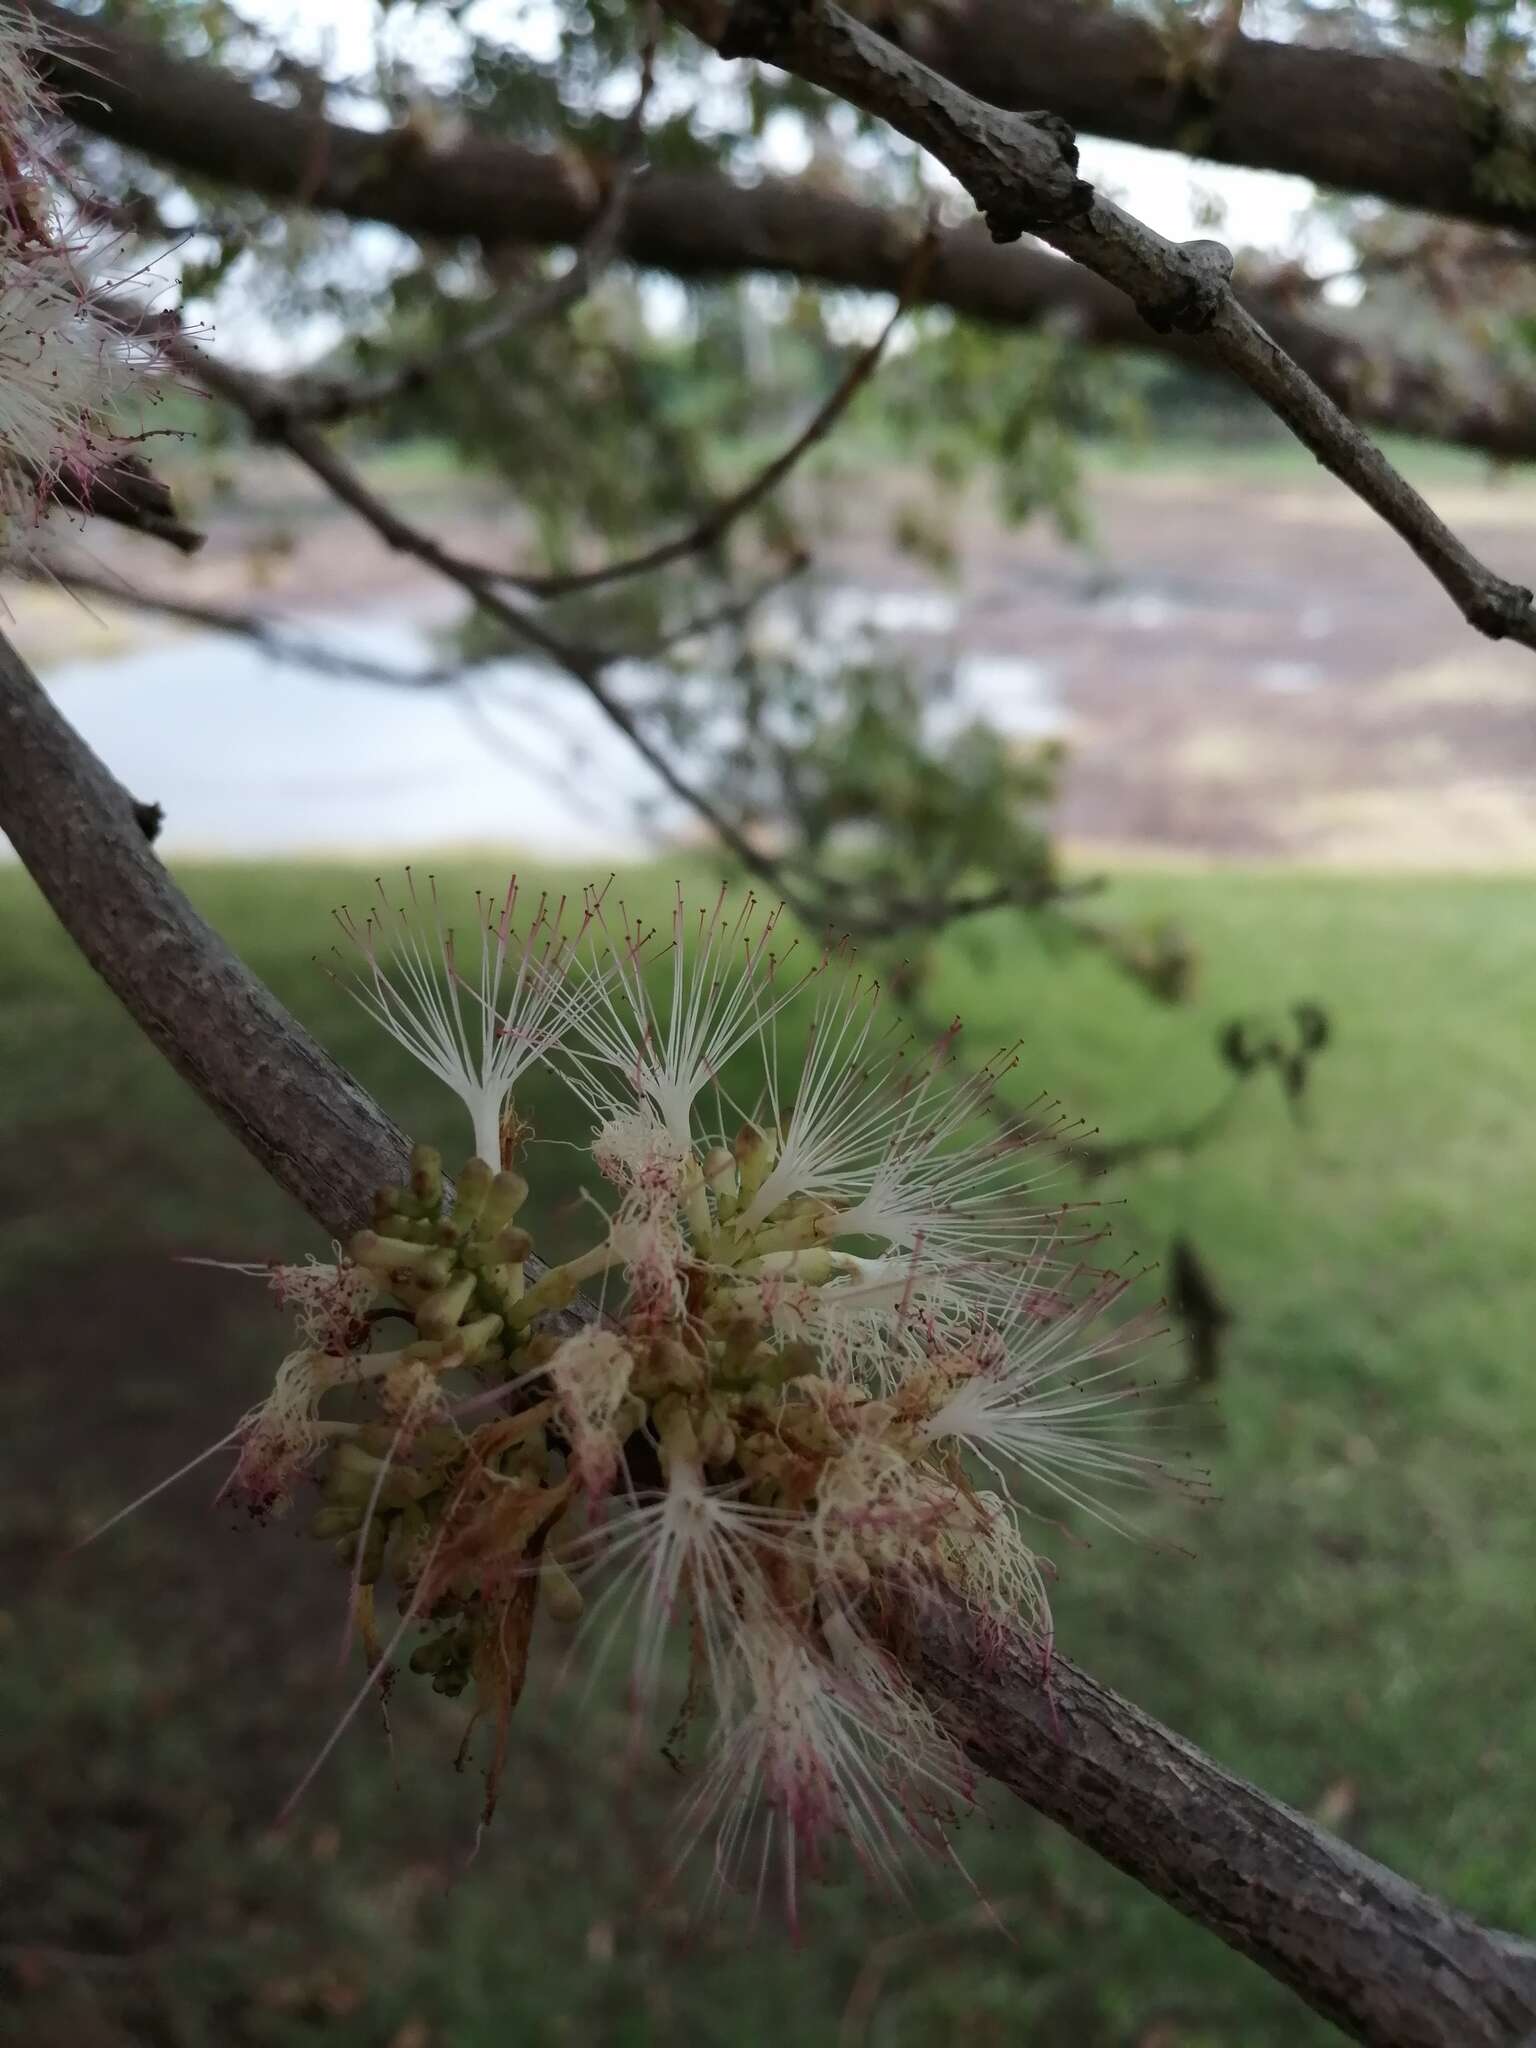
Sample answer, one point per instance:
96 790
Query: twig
712 527
1021 172
585 666
279 642
1388 1962
324 403
199 118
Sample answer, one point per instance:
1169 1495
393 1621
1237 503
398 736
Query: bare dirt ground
1243 666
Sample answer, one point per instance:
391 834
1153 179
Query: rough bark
699 225
1389 1963
1386 1961
320 1136
1421 135
1020 171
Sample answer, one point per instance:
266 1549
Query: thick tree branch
697 225
1021 172
1384 1960
322 1139
1392 1965
1421 135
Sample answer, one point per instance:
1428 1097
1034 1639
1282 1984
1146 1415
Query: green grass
1355 1631
1275 456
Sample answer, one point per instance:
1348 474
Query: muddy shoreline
1244 668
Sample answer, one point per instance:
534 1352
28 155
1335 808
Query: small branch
709 530
1021 172
1386 1961
279 642
127 492
325 403
586 667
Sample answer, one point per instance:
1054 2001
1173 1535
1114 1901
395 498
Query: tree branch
326 401
1021 172
1385 1960
712 526
700 224
587 667
276 639
1422 135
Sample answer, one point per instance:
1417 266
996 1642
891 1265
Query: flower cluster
65 364
824 1329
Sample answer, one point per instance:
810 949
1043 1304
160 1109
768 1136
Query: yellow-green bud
755 1153
476 1339
471 1192
717 1438
720 1179
428 1263
427 1175
559 1592
336 1518
440 1312
507 1195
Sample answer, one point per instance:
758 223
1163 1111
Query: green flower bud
336 1519
720 1179
427 1175
756 1153
507 1195
558 1591
440 1312
471 1192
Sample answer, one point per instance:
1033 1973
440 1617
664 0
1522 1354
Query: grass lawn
1356 1631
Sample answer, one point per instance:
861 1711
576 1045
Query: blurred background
985 625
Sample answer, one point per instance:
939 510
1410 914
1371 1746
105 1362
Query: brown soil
1247 669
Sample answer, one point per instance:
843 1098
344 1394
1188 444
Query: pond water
249 754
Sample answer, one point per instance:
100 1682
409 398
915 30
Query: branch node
149 818
1500 609
1194 293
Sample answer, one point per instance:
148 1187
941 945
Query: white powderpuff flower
22 100
634 1148
841 1100
696 1551
1026 1400
629 1053
875 1509
590 1373
814 1755
281 1436
982 1552
870 1324
901 1151
63 369
329 1302
966 1202
415 978
64 366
